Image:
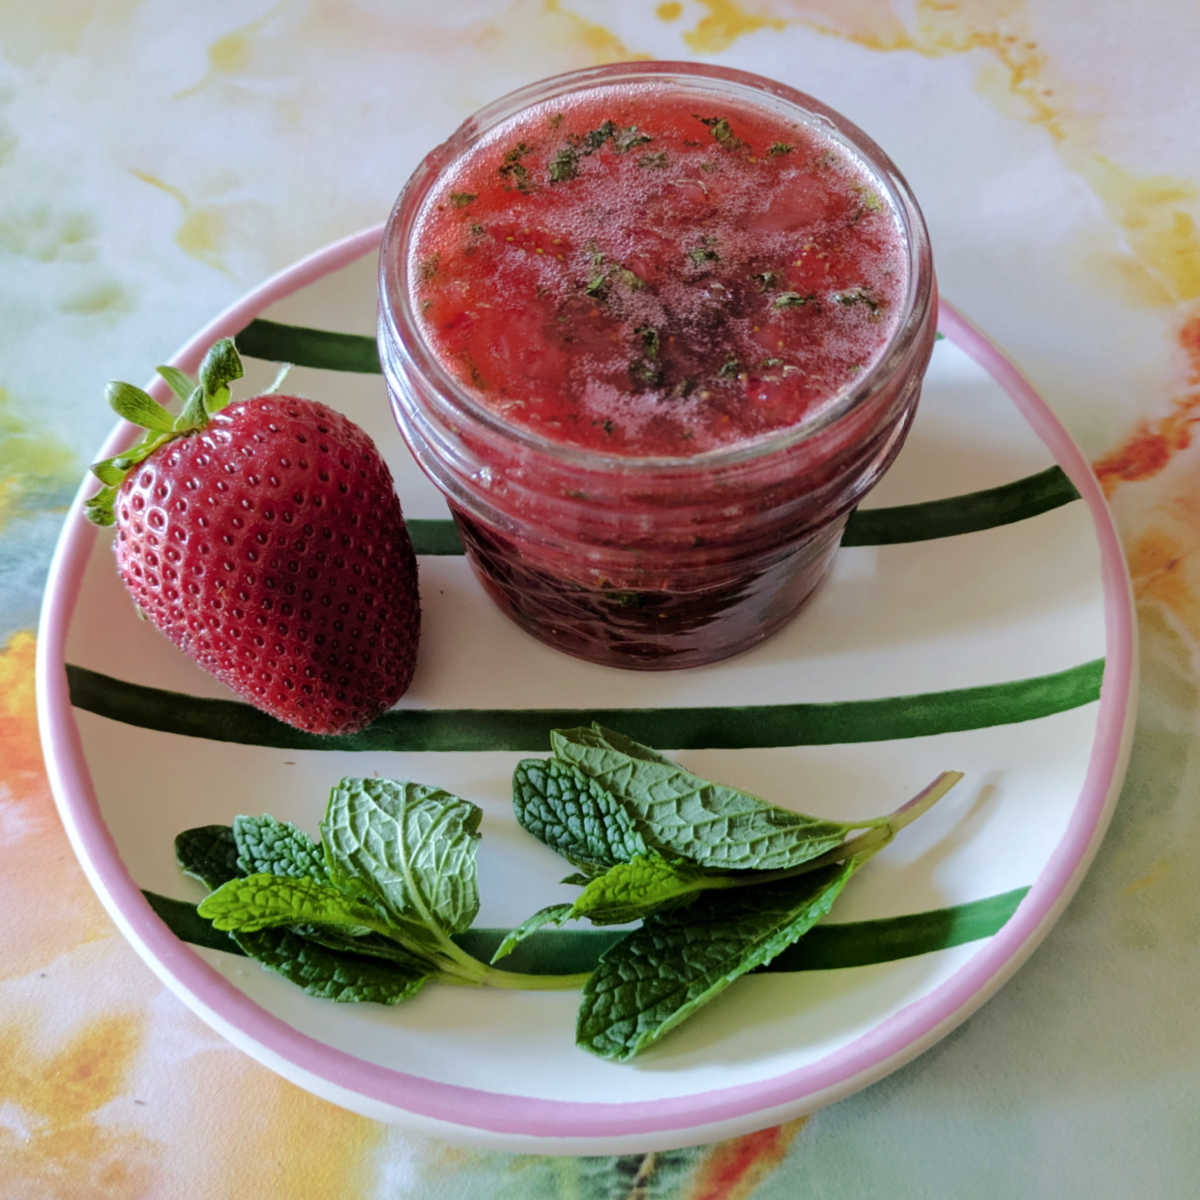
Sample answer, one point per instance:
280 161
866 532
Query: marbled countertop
157 160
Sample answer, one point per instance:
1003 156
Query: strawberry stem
220 367
177 381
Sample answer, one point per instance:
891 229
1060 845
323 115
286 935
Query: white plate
1039 598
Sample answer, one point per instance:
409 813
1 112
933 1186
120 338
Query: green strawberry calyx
220 367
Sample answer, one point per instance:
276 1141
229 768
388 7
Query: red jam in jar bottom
648 629
654 329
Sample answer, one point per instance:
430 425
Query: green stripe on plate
305 347
528 729
550 952
434 536
1016 501
1028 497
972 511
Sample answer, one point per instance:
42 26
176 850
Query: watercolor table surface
159 166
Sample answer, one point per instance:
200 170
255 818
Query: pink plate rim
895 1041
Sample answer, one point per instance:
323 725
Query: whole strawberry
265 539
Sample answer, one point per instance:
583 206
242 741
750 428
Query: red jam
654 330
637 273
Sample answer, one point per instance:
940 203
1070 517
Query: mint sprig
681 836
393 880
690 948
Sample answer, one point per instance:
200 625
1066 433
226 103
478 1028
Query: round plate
971 635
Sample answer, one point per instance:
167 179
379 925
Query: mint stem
882 831
463 968
516 980
455 965
873 841
923 801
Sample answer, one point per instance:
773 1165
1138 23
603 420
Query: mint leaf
677 961
564 165
265 901
268 846
574 815
411 848
721 130
552 914
626 139
858 296
596 138
207 853
328 974
627 891
515 172
631 890
598 736
793 300
707 823
345 940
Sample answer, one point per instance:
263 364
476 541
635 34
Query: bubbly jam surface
646 272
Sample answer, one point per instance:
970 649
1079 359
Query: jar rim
398 319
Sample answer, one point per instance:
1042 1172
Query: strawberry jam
654 329
637 274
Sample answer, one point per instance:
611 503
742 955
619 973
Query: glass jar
653 562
